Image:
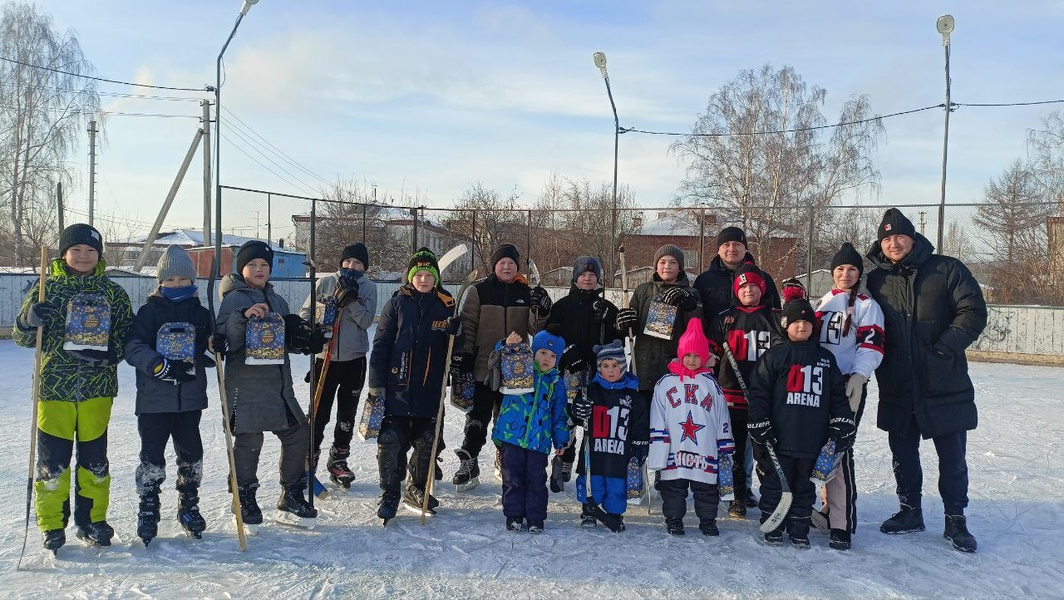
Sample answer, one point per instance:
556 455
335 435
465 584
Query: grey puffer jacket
351 340
260 397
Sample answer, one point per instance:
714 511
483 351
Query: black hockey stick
786 497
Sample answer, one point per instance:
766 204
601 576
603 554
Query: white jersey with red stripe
689 428
858 348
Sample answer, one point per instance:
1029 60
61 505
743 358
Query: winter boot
467 476
840 539
98 533
388 505
250 513
587 516
148 517
535 526
774 537
709 527
798 531
674 526
294 508
906 520
737 509
957 533
515 524
414 497
188 514
337 466
614 523
54 539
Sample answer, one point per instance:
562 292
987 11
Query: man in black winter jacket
714 285
933 310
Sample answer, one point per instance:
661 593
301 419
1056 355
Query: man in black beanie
501 304
933 310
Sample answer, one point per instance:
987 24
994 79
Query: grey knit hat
613 350
670 250
175 262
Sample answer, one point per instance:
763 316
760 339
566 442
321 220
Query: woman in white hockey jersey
851 327
690 432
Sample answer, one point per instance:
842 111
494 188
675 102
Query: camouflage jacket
62 376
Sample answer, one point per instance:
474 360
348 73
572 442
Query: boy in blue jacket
171 391
528 425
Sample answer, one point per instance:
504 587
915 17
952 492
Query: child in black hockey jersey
797 403
171 391
689 432
746 330
604 413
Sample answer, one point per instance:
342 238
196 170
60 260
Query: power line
997 104
289 159
258 162
149 97
255 146
102 79
778 131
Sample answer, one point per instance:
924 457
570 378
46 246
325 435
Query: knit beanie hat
251 250
798 309
357 251
895 223
587 263
423 260
614 351
175 262
847 255
748 273
693 341
80 233
547 340
505 251
731 234
669 250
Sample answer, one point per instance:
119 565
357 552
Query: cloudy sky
425 98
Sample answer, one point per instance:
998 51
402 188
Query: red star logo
690 429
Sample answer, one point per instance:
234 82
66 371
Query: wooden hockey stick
786 497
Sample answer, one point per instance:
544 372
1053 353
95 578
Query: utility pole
206 104
59 202
922 213
92 169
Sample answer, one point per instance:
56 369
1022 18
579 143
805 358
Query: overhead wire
280 152
260 163
252 144
104 79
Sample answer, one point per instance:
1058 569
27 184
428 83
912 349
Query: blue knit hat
545 340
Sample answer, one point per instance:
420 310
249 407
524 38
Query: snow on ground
1016 512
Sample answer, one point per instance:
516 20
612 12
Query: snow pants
397 436
248 446
156 429
952 468
485 409
840 492
524 483
343 382
674 498
61 426
797 470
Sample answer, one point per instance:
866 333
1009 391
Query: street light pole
218 134
600 62
945 26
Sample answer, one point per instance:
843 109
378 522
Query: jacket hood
627 381
58 268
922 250
682 280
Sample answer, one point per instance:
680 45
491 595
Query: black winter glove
540 301
346 291
762 432
302 336
572 359
95 358
175 372
640 450
219 343
685 298
599 308
40 313
626 320
462 363
580 411
842 430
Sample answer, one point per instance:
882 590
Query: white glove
854 388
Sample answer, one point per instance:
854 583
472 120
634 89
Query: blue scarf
177 294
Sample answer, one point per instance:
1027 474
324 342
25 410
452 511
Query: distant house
129 250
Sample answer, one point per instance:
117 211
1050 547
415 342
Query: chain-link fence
1016 251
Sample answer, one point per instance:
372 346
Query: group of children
777 382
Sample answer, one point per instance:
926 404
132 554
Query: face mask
349 273
177 294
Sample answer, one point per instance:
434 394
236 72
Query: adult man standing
499 305
933 310
715 284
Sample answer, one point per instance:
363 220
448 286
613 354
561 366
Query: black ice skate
339 472
148 518
250 513
54 539
97 534
413 499
188 515
467 476
388 505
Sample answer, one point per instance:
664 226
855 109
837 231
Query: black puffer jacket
933 310
580 322
652 354
715 288
410 351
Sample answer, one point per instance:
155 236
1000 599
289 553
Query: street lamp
600 62
218 135
945 26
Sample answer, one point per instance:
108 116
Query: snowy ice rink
1017 505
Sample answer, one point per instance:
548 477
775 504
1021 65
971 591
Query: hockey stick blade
452 255
786 498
